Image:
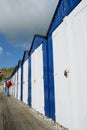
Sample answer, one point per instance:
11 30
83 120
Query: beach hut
15 82
68 41
25 77
39 92
19 79
53 72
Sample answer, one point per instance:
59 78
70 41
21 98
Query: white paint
12 86
70 52
15 84
78 50
25 82
4 84
19 83
37 80
63 89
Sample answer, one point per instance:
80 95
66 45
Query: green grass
7 73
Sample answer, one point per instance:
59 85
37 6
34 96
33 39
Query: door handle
66 73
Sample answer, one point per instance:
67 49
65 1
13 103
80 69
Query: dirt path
15 115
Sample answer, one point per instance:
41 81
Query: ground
15 115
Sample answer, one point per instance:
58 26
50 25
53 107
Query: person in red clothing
8 85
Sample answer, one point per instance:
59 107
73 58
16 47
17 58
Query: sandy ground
15 115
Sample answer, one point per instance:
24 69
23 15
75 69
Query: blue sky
19 21
9 54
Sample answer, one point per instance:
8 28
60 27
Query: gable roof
25 55
19 63
39 38
63 9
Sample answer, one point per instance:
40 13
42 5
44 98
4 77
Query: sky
19 21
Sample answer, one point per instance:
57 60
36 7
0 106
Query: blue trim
36 43
64 8
45 77
51 79
25 57
21 83
29 81
19 63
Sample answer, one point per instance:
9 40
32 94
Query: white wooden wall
37 80
78 51
15 78
25 82
19 83
63 89
70 52
13 86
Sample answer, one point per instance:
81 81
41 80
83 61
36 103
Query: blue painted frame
37 41
21 83
63 9
51 78
49 97
45 77
29 82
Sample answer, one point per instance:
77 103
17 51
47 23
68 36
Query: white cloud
26 16
1 49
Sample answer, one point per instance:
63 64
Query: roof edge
53 17
36 35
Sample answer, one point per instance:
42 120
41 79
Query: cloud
1 49
25 18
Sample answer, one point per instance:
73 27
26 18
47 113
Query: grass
7 73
